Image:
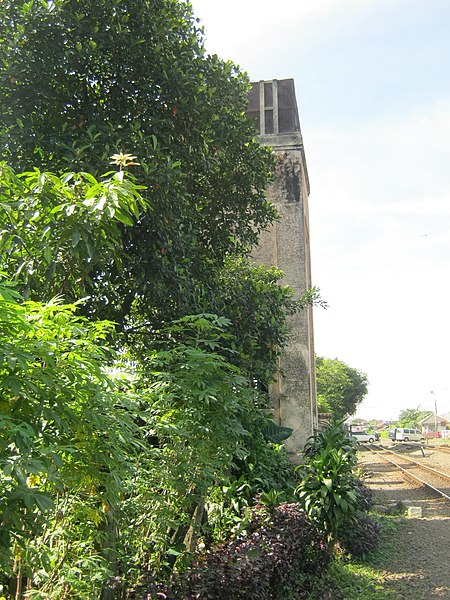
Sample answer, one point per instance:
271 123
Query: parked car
362 436
405 434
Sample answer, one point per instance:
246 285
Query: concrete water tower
273 107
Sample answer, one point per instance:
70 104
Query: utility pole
435 410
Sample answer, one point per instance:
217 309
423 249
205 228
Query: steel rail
422 466
425 446
438 448
410 475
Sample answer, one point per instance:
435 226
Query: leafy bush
332 436
326 488
66 446
331 493
361 537
365 495
261 471
85 497
279 550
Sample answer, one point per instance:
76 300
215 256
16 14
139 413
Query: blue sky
373 87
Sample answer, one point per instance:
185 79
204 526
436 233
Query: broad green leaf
277 433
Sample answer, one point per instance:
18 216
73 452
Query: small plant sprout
123 160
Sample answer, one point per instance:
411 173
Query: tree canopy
340 388
84 80
410 417
113 440
117 432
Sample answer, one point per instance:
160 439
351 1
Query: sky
372 81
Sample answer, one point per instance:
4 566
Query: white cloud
243 29
372 74
387 164
380 223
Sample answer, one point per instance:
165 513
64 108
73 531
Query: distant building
434 423
273 107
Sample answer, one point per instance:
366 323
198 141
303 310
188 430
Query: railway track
433 479
443 449
424 446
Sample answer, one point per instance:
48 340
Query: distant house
356 424
434 423
384 425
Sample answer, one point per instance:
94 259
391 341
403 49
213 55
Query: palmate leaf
276 433
7 291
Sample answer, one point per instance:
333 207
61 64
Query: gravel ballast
420 567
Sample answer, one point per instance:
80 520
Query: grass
351 579
348 580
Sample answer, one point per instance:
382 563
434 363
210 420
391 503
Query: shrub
277 549
332 436
365 495
361 537
326 488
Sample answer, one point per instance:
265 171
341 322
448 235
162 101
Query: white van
403 434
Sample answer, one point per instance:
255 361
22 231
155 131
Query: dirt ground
420 568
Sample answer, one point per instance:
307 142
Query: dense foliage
84 80
125 441
97 477
340 388
362 537
111 467
277 554
411 417
68 440
57 230
331 493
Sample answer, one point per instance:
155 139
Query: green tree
55 231
340 388
67 498
103 465
68 442
256 307
83 80
410 417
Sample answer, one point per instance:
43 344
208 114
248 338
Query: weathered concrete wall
286 246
